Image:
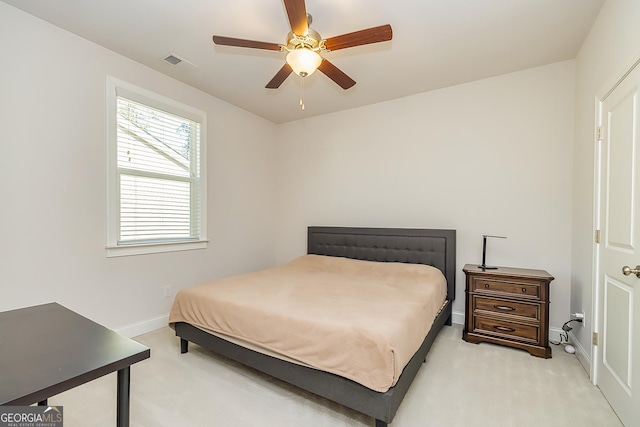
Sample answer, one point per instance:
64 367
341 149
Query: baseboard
584 357
457 318
554 334
144 327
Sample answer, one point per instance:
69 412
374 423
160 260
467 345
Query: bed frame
415 246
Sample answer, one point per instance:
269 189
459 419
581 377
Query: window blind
158 175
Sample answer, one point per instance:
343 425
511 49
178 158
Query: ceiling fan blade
230 41
382 33
297 13
335 74
280 77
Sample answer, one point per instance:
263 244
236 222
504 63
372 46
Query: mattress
361 320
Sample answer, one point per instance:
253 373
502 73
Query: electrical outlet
168 291
579 315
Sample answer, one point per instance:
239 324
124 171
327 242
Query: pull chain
302 94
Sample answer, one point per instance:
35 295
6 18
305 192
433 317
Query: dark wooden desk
48 349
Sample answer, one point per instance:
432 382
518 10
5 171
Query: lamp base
487 267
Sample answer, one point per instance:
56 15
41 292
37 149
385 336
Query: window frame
115 88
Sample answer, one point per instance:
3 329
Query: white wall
611 47
53 182
492 156
488 157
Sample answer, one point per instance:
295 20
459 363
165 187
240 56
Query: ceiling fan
305 45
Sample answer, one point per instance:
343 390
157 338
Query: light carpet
461 384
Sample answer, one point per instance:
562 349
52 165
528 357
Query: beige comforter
358 319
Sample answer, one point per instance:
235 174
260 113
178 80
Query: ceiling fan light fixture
304 61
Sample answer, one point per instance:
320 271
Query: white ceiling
436 43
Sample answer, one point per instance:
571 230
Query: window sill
154 248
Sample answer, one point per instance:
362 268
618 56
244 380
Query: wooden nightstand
508 306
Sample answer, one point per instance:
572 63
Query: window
156 182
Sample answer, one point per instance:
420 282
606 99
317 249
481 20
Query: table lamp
484 265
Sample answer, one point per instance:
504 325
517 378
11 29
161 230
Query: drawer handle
486 286
524 290
502 328
503 307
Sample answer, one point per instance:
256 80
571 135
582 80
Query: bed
348 246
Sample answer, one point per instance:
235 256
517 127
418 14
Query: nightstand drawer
521 289
504 328
506 307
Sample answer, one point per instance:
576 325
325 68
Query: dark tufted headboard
414 246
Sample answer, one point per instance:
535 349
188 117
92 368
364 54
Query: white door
618 358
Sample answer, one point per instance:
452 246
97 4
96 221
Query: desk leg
122 412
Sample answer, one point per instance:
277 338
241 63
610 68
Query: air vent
173 60
178 62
